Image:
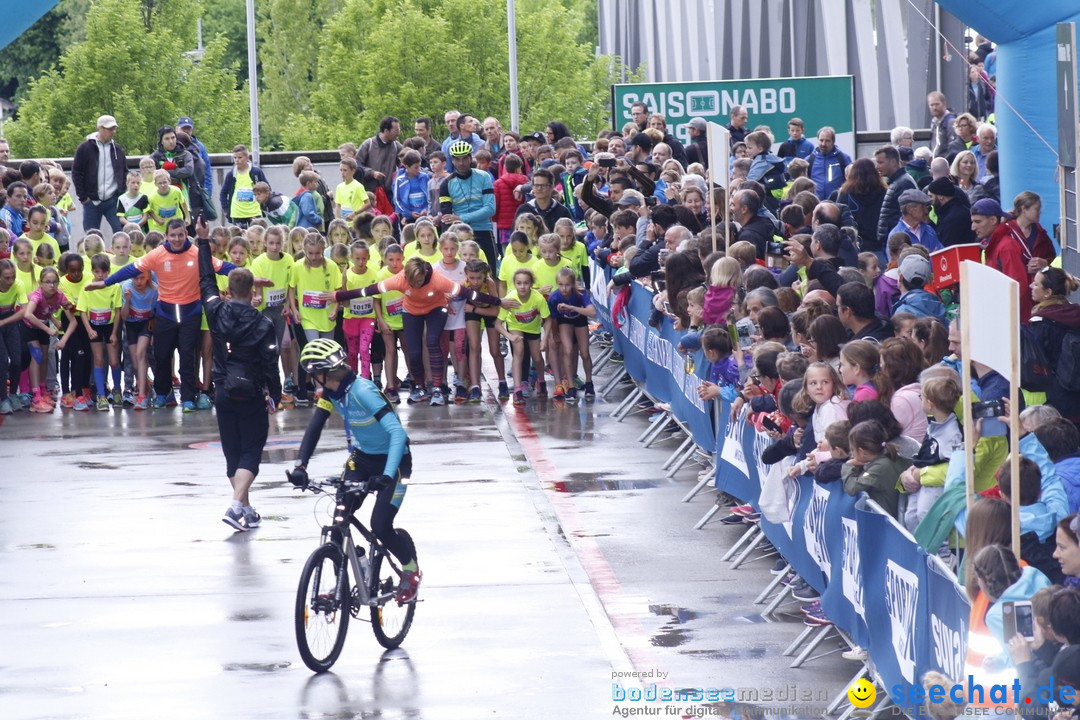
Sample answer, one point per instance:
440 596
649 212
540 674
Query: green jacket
878 480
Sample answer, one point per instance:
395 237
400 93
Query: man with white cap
697 150
186 124
98 171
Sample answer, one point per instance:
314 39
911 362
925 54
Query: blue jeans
92 215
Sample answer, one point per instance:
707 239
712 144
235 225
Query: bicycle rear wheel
323 602
389 621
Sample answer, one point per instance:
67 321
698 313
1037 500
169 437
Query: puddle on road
249 616
755 652
451 482
182 483
600 482
36 546
671 635
84 465
256 667
677 614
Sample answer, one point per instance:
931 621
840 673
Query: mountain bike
326 599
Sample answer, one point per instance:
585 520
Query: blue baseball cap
185 121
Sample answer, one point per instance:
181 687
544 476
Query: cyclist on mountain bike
378 448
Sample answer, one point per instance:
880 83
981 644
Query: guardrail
880 589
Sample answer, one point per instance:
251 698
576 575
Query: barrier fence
878 586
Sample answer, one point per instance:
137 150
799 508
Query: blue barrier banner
733 472
601 297
632 329
950 610
843 599
895 595
685 402
860 560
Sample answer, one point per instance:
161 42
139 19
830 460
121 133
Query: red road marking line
622 609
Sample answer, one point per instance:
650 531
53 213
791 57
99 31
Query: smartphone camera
774 248
607 162
992 409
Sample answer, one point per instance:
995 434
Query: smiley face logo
862 694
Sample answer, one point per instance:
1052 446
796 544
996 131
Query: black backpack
1036 374
240 381
1068 364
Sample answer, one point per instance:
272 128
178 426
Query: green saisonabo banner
819 101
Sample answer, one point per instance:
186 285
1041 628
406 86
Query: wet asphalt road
554 555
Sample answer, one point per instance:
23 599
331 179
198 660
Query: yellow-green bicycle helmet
459 148
321 355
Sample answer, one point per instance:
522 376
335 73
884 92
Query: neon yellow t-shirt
147 188
360 307
244 205
72 290
13 298
65 202
166 207
278 271
393 303
45 239
510 265
115 263
101 306
413 250
29 279
351 196
546 274
308 283
529 316
578 255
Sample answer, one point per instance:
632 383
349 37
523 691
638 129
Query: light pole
253 84
511 34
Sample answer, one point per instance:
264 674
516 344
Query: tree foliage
139 75
288 33
39 48
329 69
422 57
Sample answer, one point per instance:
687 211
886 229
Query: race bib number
100 317
313 300
166 212
275 298
139 315
362 306
526 317
345 211
245 195
395 307
324 404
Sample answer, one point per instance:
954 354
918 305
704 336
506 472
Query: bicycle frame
344 526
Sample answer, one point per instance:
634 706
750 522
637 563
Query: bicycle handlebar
300 479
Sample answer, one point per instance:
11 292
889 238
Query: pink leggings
454 341
358 334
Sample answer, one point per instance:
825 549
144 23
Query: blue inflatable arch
1025 35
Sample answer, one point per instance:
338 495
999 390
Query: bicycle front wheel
389 621
323 602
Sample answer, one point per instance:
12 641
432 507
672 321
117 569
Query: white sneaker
856 653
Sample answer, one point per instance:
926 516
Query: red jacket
505 202
1040 247
1007 254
